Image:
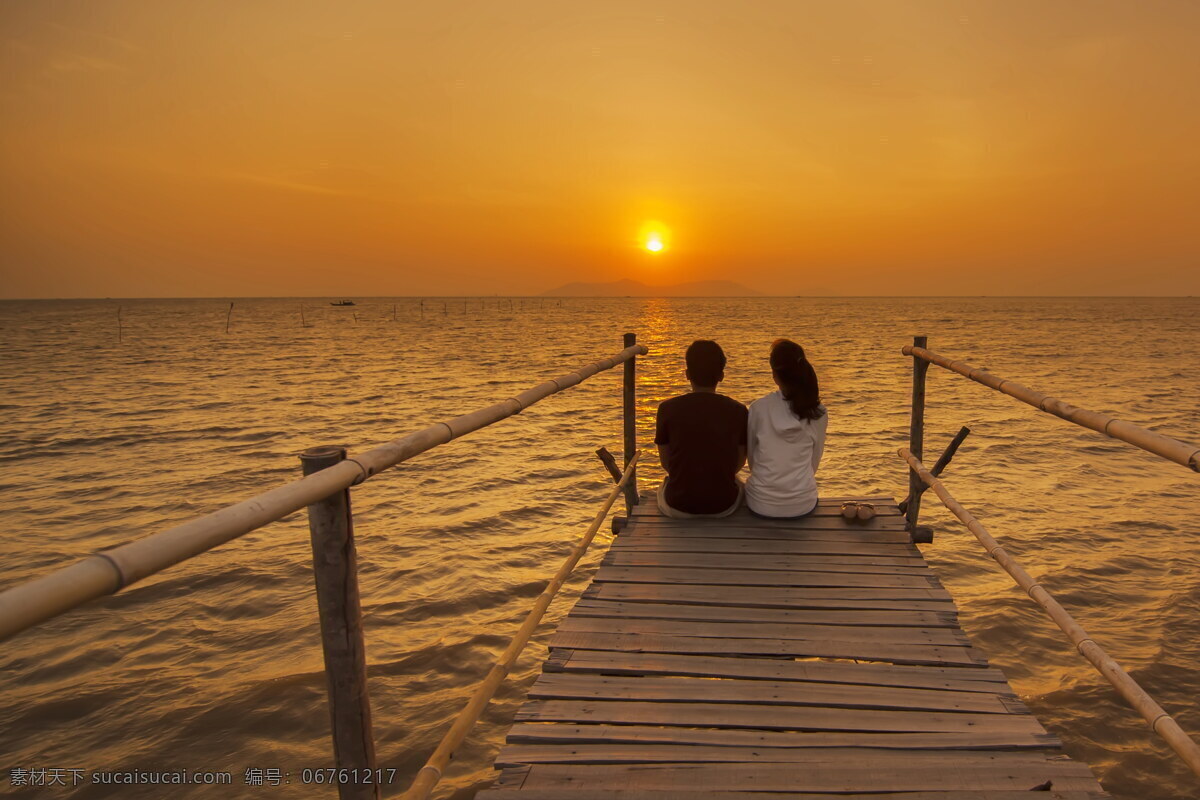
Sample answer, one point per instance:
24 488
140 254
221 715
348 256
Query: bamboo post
335 568
228 316
941 464
1159 720
610 464
429 775
303 323
629 414
120 333
916 434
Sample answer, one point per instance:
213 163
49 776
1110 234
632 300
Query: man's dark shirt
702 431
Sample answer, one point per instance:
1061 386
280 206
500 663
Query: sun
655 237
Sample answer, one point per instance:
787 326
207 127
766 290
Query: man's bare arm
662 456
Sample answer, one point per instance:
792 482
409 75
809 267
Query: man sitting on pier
701 438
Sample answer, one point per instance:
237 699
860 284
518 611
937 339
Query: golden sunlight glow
654 237
525 146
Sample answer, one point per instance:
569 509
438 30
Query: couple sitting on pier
704 439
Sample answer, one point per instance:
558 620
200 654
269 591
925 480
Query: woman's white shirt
784 452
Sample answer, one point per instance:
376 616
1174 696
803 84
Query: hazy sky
159 148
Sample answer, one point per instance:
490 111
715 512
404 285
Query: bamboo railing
430 774
1182 453
1159 720
109 571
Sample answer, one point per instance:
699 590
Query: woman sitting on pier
785 438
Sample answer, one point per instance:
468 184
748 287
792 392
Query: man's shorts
667 511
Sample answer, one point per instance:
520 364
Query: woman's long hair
797 379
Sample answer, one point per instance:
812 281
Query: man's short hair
705 362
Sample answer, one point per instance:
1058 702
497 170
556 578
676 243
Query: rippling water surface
216 663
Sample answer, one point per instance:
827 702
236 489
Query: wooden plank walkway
750 658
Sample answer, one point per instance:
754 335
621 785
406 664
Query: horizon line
544 296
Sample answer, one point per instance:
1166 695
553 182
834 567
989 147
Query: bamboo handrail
107 572
429 775
1187 455
1160 721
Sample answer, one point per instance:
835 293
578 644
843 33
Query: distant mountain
629 288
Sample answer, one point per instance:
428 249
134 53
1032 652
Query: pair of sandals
858 512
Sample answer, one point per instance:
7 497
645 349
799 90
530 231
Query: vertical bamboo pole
303 323
120 333
916 434
335 567
630 419
228 315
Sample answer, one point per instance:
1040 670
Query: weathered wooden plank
830 546
883 527
867 777
766 630
638 533
570 686
825 507
913 619
861 564
763 577
963 679
651 505
935 655
773 597
824 510
799 718
563 733
827 514
518 774
847 758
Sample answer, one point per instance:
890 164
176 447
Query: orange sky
159 148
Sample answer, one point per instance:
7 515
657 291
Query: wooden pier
751 658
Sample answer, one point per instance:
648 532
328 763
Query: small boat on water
343 303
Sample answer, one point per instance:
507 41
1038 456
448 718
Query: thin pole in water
303 323
119 333
228 316
629 418
916 434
